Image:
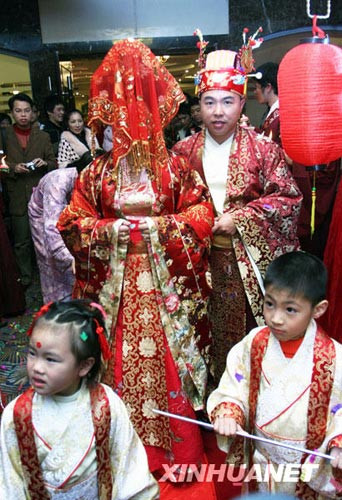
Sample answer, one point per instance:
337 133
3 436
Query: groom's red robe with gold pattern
264 201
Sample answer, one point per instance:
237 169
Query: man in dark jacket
54 126
29 155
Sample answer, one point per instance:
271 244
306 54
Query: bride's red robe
154 293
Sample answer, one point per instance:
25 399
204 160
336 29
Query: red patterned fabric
184 218
100 411
271 127
22 417
182 202
141 285
230 410
132 91
258 349
228 307
320 391
321 386
261 196
230 79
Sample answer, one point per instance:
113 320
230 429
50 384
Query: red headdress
225 69
134 92
220 73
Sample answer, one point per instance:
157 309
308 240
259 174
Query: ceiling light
163 59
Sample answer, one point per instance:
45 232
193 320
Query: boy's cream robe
282 408
64 436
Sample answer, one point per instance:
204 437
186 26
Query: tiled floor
13 345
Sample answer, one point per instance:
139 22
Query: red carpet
206 490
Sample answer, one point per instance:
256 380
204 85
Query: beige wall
14 76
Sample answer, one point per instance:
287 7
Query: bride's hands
123 234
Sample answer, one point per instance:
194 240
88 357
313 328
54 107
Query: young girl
68 436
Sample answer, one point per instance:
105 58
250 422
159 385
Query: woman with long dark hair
76 140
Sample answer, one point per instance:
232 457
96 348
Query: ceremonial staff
246 435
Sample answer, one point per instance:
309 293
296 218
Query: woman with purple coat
55 262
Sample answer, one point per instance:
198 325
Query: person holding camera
29 155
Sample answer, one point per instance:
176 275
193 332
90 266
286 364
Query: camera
31 165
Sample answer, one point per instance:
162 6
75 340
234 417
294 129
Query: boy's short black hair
51 101
269 73
301 273
19 97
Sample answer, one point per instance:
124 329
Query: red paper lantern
310 102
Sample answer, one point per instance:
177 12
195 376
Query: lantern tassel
316 30
313 205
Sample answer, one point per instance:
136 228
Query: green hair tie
84 336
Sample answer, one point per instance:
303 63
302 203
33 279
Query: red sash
22 417
322 379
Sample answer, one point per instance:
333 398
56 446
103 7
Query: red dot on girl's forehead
38 344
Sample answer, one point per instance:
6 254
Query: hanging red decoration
310 102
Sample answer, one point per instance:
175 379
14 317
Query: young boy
284 382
